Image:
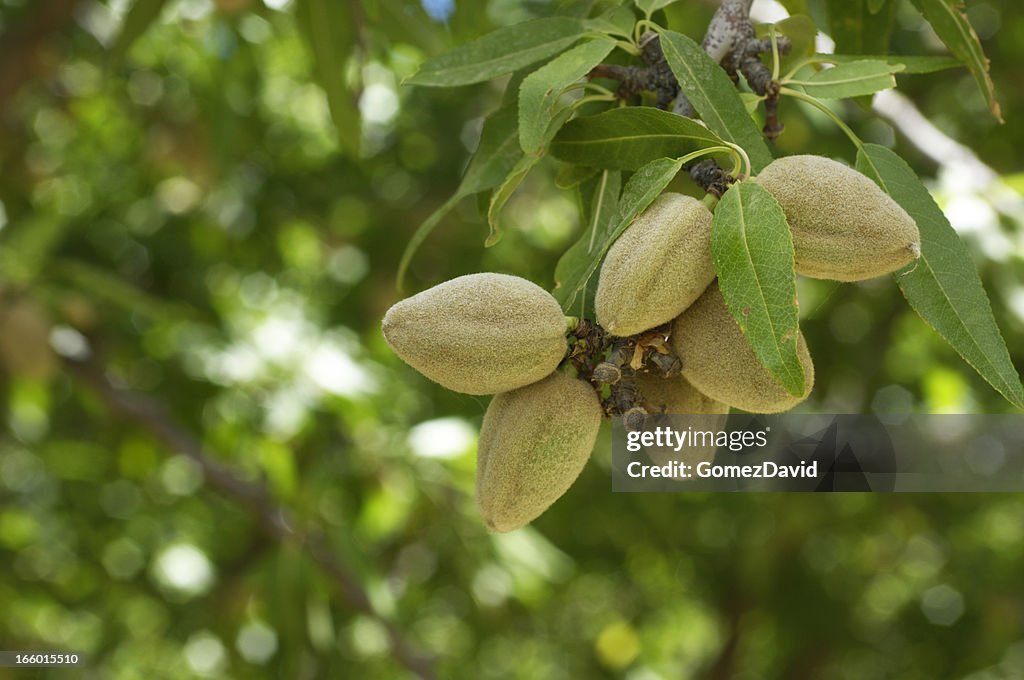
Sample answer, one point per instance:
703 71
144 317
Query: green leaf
753 250
540 91
910 64
499 52
630 137
420 235
618 21
137 20
943 286
331 38
517 174
856 30
640 191
875 6
714 96
601 198
649 7
504 192
852 79
751 101
496 154
951 25
567 8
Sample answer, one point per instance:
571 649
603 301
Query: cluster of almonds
503 335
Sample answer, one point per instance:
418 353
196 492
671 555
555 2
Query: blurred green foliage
191 218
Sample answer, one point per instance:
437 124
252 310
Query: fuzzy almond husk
845 228
676 395
480 333
657 267
533 445
719 361
681 406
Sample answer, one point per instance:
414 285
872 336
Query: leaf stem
609 97
742 167
629 47
737 157
593 87
806 61
641 25
625 45
820 105
776 60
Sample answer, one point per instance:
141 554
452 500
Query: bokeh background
220 470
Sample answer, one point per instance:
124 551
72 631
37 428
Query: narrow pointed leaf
540 91
943 286
496 154
618 21
751 101
640 191
517 174
499 52
420 235
853 79
649 7
714 96
911 64
951 25
504 192
601 199
753 250
629 138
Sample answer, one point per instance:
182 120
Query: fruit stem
820 105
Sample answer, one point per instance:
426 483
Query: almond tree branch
729 27
274 520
